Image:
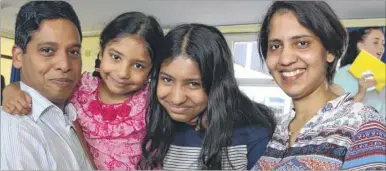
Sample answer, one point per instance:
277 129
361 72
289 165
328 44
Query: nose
178 96
64 62
287 56
124 72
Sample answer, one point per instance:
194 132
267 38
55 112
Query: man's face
52 62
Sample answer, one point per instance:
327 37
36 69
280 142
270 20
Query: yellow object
365 61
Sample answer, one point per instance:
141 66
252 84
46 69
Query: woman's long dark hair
355 36
228 108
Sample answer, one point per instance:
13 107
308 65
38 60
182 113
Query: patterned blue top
342 135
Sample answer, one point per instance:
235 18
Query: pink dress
113 132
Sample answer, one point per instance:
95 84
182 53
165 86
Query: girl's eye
116 57
139 66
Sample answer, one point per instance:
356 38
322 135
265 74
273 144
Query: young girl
111 108
301 42
195 79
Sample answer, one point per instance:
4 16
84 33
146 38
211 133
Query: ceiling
95 13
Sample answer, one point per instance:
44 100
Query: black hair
319 18
355 36
228 108
132 23
2 88
33 13
97 67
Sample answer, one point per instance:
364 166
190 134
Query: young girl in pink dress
111 105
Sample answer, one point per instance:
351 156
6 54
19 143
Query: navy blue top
248 144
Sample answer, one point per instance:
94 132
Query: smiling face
295 56
373 42
125 65
51 63
180 90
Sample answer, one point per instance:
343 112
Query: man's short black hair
33 13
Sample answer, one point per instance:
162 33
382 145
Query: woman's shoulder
353 113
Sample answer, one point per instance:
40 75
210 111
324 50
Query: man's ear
17 56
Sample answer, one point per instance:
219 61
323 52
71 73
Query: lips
379 54
177 109
119 82
291 75
64 82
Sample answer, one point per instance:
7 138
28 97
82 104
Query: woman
372 40
198 117
301 42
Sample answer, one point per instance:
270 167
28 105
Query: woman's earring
330 58
198 125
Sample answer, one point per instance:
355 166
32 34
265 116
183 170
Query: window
253 76
240 50
273 97
247 55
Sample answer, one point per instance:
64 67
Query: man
47 50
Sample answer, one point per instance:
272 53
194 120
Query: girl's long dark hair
228 108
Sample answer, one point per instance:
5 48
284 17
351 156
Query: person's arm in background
363 85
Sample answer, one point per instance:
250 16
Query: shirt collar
70 112
332 104
39 102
